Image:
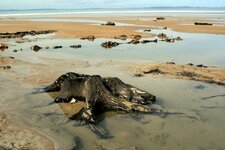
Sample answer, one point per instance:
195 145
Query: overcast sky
29 4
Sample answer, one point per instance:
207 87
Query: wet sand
36 74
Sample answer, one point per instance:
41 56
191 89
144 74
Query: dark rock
203 23
171 63
109 44
14 50
147 30
134 41
36 48
190 64
149 41
136 37
6 67
121 37
178 38
153 71
160 18
165 28
109 23
201 66
56 47
3 46
90 38
138 75
162 36
75 46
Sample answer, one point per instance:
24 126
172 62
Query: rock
153 71
90 38
160 18
134 41
165 28
203 23
3 46
56 47
147 30
178 38
14 50
169 40
109 23
201 66
6 67
136 37
190 64
162 36
109 44
36 48
138 75
121 37
171 63
75 46
149 41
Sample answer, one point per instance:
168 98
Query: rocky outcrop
24 33
109 44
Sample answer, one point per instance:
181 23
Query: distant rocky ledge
21 34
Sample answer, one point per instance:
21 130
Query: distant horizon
154 7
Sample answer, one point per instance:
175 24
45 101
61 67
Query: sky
76 4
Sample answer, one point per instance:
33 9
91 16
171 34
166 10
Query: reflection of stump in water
99 95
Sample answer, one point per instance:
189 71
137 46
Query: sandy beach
22 70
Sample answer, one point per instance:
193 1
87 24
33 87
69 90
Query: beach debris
89 37
149 41
203 23
147 30
24 33
109 44
3 46
100 94
56 47
136 36
121 37
75 46
160 18
109 23
36 48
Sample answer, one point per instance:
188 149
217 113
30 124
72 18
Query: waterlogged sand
199 115
14 136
